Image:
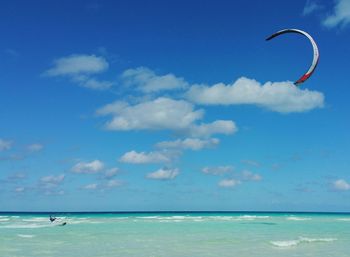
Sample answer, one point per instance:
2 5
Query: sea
175 234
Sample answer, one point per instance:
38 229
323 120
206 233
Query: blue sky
173 105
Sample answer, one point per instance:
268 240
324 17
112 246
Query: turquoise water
175 234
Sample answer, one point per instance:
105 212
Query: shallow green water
175 234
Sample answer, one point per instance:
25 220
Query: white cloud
161 113
219 170
49 183
96 84
80 68
341 185
147 81
225 127
52 179
310 7
229 183
90 186
248 175
143 157
163 174
88 167
35 147
283 97
340 16
189 143
5 144
102 187
251 163
113 183
110 173
19 189
78 64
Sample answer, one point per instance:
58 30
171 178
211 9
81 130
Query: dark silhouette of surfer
52 219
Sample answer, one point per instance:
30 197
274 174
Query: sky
173 105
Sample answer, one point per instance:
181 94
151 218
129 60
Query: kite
316 54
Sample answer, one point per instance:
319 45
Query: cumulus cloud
147 81
251 163
225 127
113 183
88 167
311 6
77 65
189 143
35 147
283 97
110 173
341 185
340 15
50 183
229 183
163 113
95 84
52 179
163 174
250 176
219 170
80 68
90 186
103 186
143 157
5 144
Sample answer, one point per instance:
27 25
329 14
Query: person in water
52 219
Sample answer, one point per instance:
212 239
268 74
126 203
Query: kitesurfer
52 219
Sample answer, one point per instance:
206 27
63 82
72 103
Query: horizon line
175 211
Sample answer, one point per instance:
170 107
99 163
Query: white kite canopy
304 77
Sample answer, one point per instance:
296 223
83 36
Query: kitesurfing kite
307 75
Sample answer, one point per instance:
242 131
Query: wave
252 217
297 218
178 218
36 220
25 236
344 219
30 225
291 243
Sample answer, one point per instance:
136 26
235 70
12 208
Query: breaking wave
291 243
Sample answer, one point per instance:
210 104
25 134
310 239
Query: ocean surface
175 234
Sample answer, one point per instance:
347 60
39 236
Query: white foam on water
291 243
286 243
25 236
174 218
312 240
344 219
297 218
253 217
250 217
36 220
148 217
30 225
4 219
